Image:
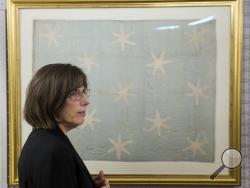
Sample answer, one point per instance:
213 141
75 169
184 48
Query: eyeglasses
77 95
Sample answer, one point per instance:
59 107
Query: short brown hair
48 91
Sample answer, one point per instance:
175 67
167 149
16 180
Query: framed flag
164 79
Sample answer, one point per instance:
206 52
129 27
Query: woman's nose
84 101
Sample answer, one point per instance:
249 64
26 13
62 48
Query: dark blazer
48 160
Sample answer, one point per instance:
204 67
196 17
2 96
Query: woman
56 102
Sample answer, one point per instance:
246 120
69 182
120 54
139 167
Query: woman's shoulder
43 148
46 141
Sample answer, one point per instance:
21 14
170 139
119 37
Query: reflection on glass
168 27
201 21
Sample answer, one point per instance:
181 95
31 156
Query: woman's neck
64 129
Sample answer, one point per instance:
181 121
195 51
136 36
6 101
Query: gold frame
14 111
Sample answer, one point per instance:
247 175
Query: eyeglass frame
76 95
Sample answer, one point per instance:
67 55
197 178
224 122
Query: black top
49 160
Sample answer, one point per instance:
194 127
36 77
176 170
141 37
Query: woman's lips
82 113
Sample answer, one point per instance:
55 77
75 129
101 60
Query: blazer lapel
58 132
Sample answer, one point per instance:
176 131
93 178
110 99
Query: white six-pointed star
196 38
158 63
90 120
123 38
196 145
87 60
197 91
123 93
52 34
119 146
158 123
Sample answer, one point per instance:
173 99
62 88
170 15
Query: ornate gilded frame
14 77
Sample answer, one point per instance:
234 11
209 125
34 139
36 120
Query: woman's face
74 110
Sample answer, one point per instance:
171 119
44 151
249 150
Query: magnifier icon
230 158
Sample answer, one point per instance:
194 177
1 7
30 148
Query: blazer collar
59 133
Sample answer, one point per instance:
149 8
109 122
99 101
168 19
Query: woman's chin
81 122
